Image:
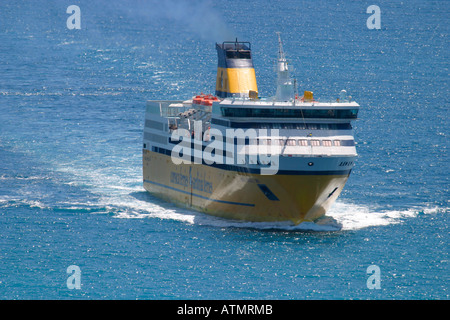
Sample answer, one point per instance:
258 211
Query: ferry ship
238 156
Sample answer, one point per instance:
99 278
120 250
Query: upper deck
251 109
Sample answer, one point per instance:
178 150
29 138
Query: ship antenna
285 87
281 56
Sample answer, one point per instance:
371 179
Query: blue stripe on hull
199 196
245 169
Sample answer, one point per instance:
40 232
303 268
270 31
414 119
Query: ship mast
285 84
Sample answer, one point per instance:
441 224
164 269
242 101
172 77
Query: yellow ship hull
240 195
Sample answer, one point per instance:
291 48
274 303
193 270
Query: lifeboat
198 99
204 99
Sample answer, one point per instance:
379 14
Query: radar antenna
285 86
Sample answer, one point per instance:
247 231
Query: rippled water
71 112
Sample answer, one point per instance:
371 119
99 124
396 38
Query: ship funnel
235 72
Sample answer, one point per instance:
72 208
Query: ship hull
240 195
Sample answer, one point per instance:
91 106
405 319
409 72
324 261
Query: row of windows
288 142
290 113
306 142
155 137
272 125
154 125
295 126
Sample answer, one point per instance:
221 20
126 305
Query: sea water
72 104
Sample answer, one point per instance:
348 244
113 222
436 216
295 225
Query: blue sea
72 105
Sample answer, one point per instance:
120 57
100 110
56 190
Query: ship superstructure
238 156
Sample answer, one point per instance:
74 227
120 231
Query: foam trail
343 216
354 217
126 198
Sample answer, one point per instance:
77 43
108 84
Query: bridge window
238 54
290 113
